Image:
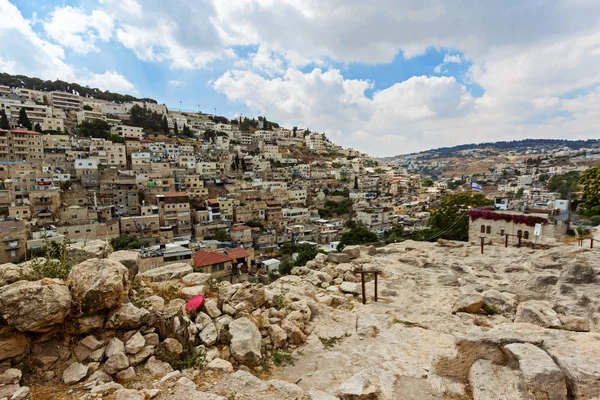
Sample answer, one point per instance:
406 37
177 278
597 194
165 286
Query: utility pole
179 105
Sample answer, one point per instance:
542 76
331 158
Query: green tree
95 128
564 184
590 198
519 193
87 108
427 182
451 220
4 120
543 177
221 235
355 182
175 129
357 235
165 125
24 119
128 242
116 139
395 234
38 128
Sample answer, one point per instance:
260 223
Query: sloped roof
237 253
205 258
239 228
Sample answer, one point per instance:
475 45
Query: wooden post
506 240
482 239
362 279
591 243
375 273
518 236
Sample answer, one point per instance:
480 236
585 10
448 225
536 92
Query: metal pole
362 278
519 241
506 240
376 285
482 239
591 243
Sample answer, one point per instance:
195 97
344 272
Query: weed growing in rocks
195 359
280 357
329 342
54 263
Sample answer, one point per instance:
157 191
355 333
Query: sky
385 77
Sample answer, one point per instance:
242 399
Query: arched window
482 228
488 230
526 235
519 233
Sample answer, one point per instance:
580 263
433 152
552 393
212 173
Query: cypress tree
24 119
3 120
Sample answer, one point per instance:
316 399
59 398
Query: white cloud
452 58
73 28
22 51
176 82
109 80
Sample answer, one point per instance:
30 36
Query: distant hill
22 81
515 145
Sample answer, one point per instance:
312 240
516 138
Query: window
482 228
501 232
526 235
488 230
519 233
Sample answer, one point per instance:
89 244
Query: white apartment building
30 94
187 161
86 115
525 180
264 135
296 215
297 196
118 110
125 131
316 141
65 101
141 161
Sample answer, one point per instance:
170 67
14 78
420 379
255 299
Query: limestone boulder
34 306
578 274
351 287
209 334
193 291
469 303
168 272
155 303
126 316
245 341
135 344
220 365
74 373
196 279
116 363
82 251
338 258
130 259
157 368
10 273
372 383
10 376
253 295
114 346
98 285
278 336
538 313
543 378
490 381
352 251
168 350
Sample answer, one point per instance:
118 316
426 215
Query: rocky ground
450 323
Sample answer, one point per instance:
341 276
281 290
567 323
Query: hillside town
229 195
80 169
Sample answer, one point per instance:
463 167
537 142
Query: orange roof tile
239 228
237 253
205 258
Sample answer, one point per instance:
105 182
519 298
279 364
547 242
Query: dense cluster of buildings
253 189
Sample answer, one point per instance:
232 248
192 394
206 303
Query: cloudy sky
384 76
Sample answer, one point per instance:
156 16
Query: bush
128 242
358 235
55 264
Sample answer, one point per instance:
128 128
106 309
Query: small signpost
362 280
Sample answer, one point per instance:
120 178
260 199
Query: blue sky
384 77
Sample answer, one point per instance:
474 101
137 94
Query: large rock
116 363
34 306
352 251
196 279
253 295
126 316
168 272
351 287
10 273
543 378
114 346
220 365
170 349
157 368
193 291
209 334
245 341
135 343
578 274
98 285
81 251
338 258
10 376
74 373
278 336
470 303
369 384
489 381
84 324
130 259
538 313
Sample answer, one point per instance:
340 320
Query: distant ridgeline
26 82
518 145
